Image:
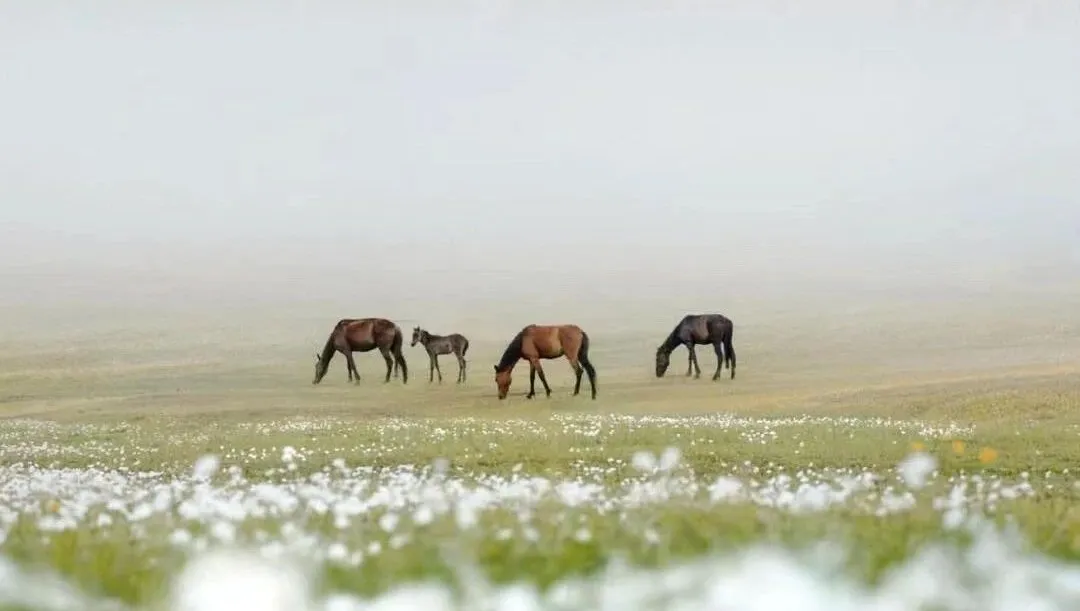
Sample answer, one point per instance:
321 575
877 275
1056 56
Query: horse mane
513 351
328 348
672 340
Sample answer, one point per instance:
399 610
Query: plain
129 450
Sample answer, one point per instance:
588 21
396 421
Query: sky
708 139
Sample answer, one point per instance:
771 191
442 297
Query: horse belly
365 345
555 349
545 346
699 332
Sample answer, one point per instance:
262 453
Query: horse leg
543 378
430 367
693 361
385 352
464 364
461 367
587 365
350 364
438 369
578 370
348 367
399 363
729 351
718 346
532 381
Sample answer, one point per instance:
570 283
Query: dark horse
536 342
455 344
699 329
363 335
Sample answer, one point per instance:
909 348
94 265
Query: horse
699 329
363 335
397 366
455 343
535 342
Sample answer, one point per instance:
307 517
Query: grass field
853 463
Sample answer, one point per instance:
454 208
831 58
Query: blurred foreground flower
916 468
645 462
957 447
987 455
917 446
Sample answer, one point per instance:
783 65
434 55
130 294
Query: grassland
127 453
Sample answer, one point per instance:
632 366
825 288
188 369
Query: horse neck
327 353
672 341
512 354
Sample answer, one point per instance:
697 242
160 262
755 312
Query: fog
325 153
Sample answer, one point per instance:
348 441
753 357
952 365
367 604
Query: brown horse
363 335
536 342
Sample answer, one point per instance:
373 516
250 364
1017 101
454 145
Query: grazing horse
455 344
535 342
699 329
363 335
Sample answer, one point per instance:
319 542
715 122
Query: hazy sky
716 135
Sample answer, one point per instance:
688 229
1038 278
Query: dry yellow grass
938 364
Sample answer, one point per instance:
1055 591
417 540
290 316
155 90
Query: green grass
133 561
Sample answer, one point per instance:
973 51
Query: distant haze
156 153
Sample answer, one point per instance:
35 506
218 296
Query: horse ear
496 368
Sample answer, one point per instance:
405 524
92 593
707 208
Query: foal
455 343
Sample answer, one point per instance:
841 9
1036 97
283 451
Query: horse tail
729 349
395 344
398 341
464 346
586 363
399 357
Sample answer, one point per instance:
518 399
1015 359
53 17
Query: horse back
553 341
367 333
695 327
719 325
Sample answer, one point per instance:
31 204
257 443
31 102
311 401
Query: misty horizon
156 153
